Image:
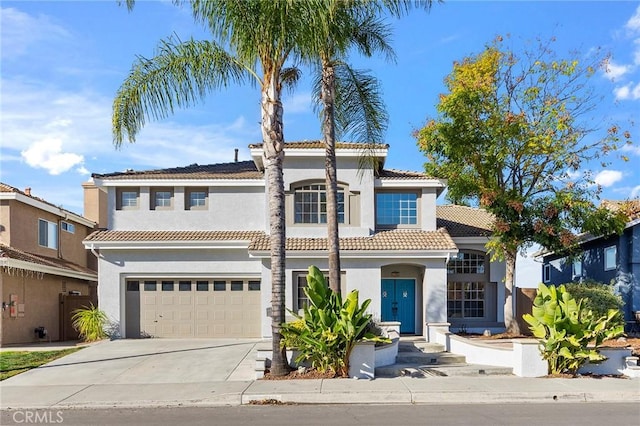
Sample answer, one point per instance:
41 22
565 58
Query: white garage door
199 308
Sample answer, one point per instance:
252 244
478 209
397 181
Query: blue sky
62 62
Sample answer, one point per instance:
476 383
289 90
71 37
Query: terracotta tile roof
236 170
7 252
173 236
392 174
259 241
380 241
10 189
317 144
462 221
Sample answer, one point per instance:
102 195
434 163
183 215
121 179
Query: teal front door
399 303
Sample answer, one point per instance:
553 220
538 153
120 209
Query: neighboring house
607 259
44 267
186 250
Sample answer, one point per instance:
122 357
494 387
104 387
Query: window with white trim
310 204
47 234
161 199
546 273
576 268
396 209
610 254
68 227
127 198
196 199
465 299
466 263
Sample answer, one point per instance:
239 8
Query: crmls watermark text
37 417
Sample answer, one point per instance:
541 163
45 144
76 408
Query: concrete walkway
166 372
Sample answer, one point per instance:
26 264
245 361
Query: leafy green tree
253 41
511 134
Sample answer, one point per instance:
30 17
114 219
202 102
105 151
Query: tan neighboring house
45 271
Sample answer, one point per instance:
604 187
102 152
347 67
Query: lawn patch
12 363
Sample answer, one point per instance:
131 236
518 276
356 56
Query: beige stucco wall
20 230
39 293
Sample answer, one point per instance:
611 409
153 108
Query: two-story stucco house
186 250
45 271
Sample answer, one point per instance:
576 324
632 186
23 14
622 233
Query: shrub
331 327
570 334
90 322
597 296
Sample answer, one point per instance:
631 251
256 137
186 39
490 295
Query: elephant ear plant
329 327
569 333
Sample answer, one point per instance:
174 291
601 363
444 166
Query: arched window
310 204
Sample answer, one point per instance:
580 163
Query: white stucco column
435 298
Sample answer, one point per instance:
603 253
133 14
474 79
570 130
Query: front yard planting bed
16 362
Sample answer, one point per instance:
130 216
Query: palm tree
350 100
261 37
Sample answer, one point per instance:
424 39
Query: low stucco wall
525 359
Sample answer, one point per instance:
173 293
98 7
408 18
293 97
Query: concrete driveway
148 361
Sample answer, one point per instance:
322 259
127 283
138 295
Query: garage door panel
198 308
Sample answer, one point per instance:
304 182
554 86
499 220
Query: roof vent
235 158
193 165
128 171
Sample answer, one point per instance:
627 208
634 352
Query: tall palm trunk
510 320
328 87
273 143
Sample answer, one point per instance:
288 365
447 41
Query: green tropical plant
332 327
90 323
569 333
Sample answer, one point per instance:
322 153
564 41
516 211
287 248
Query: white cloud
627 92
633 24
47 154
632 149
606 178
614 71
297 103
20 32
635 192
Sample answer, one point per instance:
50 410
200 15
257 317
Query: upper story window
47 234
310 204
196 199
396 209
546 273
127 198
69 227
467 263
576 268
161 199
610 258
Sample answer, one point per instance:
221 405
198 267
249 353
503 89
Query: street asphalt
215 372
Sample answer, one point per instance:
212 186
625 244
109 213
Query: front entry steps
417 358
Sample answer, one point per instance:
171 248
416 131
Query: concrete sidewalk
159 372
433 390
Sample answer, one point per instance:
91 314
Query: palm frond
180 75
